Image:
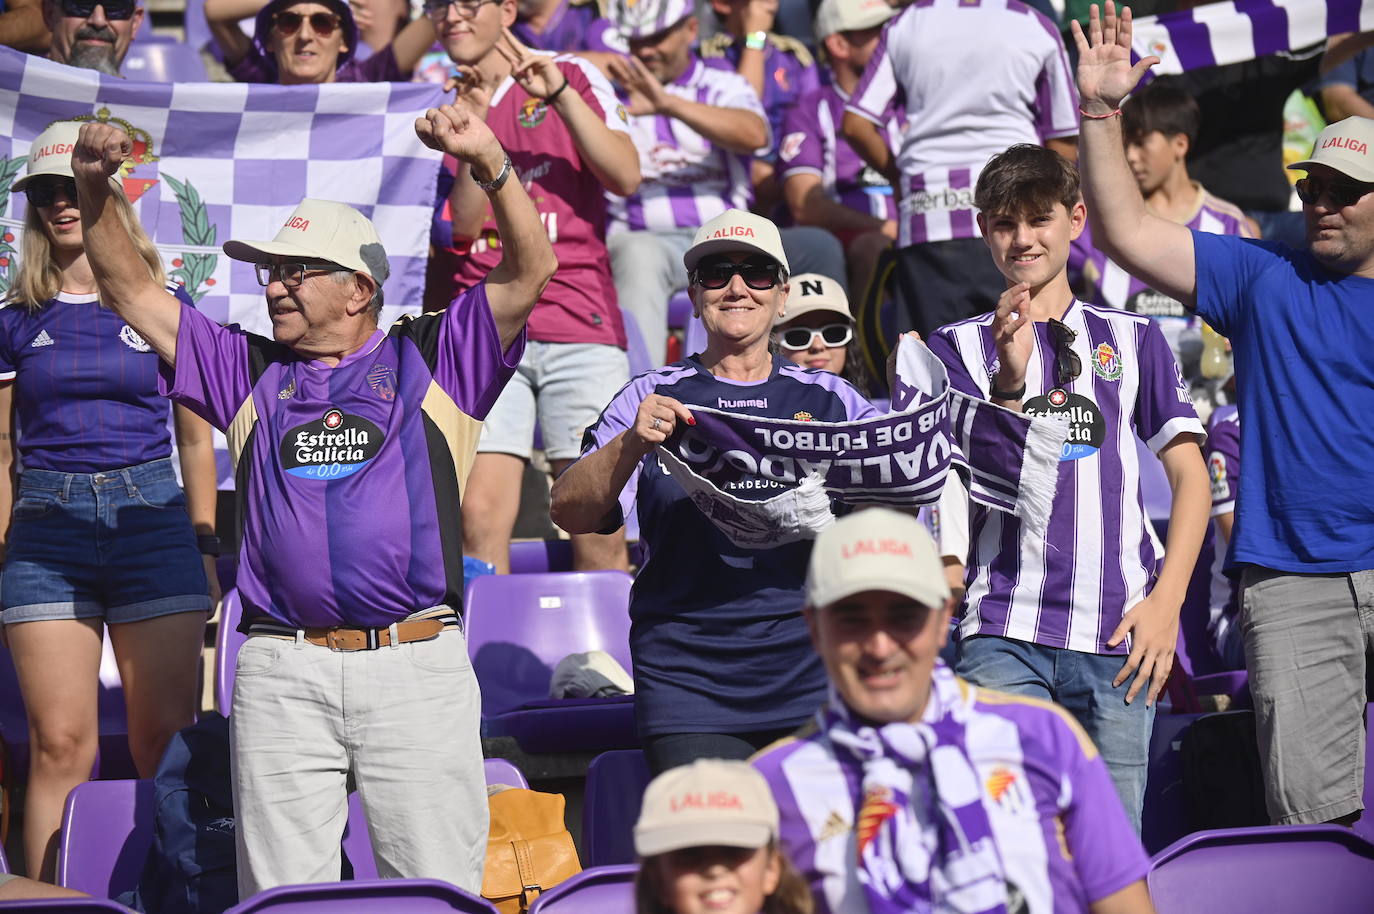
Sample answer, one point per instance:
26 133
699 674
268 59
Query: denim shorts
117 545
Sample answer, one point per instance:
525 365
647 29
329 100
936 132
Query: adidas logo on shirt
42 340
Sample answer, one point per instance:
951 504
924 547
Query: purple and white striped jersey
1097 559
1223 468
1100 280
974 78
813 144
688 180
1064 839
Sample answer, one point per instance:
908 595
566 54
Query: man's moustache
91 33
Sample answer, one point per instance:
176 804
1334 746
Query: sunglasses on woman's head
44 193
1342 193
757 273
1067 364
289 23
114 9
799 338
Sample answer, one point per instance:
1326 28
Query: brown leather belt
369 639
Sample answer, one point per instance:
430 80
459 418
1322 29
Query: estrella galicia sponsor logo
1087 428
332 447
1155 304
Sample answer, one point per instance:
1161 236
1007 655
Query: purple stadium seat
679 310
107 828
1164 817
598 890
1262 870
693 336
197 29
228 640
519 627
1364 825
615 789
164 62
637 347
63 905
540 556
394 896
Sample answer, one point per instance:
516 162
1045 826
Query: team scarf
924 839
1007 460
1224 33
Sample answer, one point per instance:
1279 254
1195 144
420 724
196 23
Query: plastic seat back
615 790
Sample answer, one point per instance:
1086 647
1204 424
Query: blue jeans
1082 683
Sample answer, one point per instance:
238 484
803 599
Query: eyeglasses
757 273
1067 364
44 193
1342 193
291 274
321 23
467 9
832 335
114 9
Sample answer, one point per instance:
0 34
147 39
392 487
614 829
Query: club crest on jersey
532 112
382 380
802 415
1106 362
621 113
129 337
790 146
334 446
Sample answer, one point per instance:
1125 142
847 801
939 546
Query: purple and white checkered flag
1224 33
214 161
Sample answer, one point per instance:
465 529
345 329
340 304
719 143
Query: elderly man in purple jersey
351 444
915 790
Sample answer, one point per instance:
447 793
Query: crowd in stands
951 713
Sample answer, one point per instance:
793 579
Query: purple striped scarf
924 841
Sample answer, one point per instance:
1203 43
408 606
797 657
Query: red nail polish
691 421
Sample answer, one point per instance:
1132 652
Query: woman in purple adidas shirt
98 530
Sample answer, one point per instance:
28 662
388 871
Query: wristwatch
497 182
209 544
756 41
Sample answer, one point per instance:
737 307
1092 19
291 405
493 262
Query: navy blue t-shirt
85 393
718 641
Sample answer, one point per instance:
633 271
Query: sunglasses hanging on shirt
1067 364
289 23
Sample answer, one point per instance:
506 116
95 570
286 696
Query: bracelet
756 41
209 544
1100 117
1016 394
549 100
495 183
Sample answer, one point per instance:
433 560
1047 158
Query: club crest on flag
134 187
1106 362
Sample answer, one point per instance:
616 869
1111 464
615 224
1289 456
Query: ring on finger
657 423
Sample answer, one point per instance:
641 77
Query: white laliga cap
736 230
1345 146
875 549
814 292
322 230
642 18
850 16
50 155
709 802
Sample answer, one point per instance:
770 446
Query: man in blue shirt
1299 324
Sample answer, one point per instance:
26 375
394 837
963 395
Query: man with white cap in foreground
352 446
916 791
1299 325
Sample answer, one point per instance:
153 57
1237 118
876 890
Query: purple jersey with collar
813 144
789 73
1070 588
718 640
1064 839
85 386
349 476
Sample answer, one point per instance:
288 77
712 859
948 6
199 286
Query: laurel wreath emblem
193 269
9 168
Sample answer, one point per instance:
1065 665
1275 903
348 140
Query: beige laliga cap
736 230
1345 146
850 16
50 154
875 549
814 292
709 802
322 230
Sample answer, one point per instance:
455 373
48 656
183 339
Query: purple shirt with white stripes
812 144
974 76
688 180
1070 588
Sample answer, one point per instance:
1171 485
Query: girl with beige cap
816 329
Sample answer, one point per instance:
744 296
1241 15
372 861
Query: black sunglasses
799 338
757 274
114 9
1342 193
44 193
1067 364
467 9
322 24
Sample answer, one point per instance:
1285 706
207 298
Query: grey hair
374 307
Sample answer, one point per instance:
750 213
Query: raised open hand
537 74
1105 73
647 95
470 90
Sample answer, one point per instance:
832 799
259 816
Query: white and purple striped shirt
975 76
1097 559
687 179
